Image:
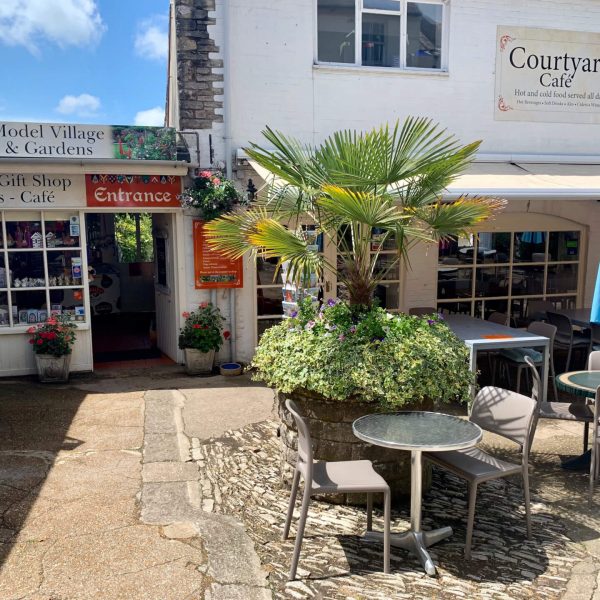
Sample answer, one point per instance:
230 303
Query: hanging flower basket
211 195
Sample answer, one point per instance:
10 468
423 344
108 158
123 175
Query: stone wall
197 67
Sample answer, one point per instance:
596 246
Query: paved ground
155 485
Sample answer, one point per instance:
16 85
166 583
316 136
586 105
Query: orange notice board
211 269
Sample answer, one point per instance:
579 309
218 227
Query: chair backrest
595 328
537 309
305 453
594 361
499 318
543 329
536 394
419 311
561 322
507 414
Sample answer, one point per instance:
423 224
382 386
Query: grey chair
320 477
505 413
594 336
515 357
578 411
419 311
499 318
537 309
566 337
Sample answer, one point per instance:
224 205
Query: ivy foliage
342 351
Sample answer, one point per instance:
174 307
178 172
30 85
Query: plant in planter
52 344
200 337
363 192
211 195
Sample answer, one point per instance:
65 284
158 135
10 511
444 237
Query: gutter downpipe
228 150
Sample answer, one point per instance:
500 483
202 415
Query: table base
416 542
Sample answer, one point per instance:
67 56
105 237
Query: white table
478 334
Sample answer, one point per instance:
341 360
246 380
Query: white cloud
84 105
152 38
62 22
152 116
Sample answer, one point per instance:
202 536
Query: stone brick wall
198 69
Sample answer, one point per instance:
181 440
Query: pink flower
206 174
185 315
216 181
51 321
203 304
31 330
40 342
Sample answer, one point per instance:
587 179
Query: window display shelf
66 287
13 249
63 248
20 329
28 289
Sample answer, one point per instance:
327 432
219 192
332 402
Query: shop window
504 271
389 33
41 267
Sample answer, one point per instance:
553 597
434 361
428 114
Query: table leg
473 367
415 540
545 368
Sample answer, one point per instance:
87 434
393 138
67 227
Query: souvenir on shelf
50 240
3 316
23 317
36 240
42 316
32 315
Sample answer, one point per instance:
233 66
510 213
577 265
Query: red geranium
56 336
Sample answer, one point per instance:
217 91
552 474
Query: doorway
121 271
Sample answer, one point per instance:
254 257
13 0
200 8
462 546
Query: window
503 271
41 267
382 33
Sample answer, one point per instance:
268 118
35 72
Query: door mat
117 355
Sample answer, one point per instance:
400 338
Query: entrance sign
211 269
547 75
41 191
133 191
59 140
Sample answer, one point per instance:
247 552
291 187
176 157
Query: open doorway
121 279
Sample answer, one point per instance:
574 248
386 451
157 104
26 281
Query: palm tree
385 184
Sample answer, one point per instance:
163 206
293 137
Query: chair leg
387 501
586 436
369 511
470 518
300 532
527 500
290 512
593 469
553 374
569 352
519 373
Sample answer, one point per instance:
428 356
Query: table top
581 383
426 431
480 333
578 316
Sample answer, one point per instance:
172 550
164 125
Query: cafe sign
65 141
547 75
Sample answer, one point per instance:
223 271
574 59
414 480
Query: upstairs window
382 33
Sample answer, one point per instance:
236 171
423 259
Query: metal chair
499 318
573 411
510 415
537 309
594 336
320 477
566 337
419 311
516 356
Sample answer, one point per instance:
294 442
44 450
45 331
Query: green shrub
342 351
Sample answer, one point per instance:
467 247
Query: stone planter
53 369
197 362
330 424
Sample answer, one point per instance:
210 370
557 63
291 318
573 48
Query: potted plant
211 195
362 192
52 343
200 337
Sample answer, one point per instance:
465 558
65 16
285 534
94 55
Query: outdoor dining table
478 335
417 432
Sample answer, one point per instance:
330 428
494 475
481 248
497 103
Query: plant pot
197 362
330 424
53 369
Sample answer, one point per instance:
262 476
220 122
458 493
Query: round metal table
580 383
417 432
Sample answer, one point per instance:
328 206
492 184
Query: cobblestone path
239 475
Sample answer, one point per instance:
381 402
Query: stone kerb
330 424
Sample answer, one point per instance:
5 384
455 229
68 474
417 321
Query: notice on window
211 269
547 75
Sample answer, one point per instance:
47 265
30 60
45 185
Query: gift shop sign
133 191
211 269
62 141
29 190
547 75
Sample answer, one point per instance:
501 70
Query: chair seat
518 355
565 411
578 340
345 476
473 464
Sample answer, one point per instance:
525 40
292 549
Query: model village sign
547 75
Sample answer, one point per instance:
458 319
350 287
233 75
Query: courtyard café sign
547 75
65 141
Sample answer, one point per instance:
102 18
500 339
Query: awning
529 180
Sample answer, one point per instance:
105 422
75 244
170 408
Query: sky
84 61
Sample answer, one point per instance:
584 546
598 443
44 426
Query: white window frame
359 10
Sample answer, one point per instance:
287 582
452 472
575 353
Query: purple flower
332 327
309 325
294 314
430 321
352 329
440 317
331 302
341 337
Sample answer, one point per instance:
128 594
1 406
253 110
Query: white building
524 77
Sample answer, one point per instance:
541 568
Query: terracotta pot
53 369
330 424
197 362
